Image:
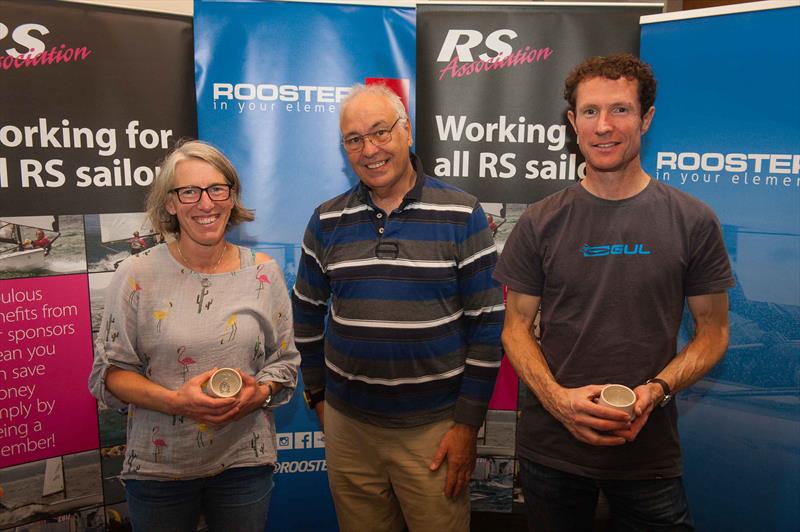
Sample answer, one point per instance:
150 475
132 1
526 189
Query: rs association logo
614 249
458 45
28 49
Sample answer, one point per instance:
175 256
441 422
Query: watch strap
313 397
664 388
268 401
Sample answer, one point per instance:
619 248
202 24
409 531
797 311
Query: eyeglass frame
202 189
371 137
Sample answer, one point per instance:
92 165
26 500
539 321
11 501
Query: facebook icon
303 440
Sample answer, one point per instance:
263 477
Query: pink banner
45 357
506 387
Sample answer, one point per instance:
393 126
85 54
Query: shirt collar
415 194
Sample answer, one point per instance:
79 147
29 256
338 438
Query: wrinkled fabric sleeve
310 306
484 311
115 344
281 365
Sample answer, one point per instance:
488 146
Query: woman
175 313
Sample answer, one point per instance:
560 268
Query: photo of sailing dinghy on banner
33 246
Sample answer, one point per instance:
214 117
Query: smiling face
609 124
385 169
203 222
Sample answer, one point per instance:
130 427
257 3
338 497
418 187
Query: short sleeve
520 264
709 269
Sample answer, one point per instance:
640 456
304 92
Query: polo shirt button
380 230
379 215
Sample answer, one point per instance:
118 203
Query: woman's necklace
203 280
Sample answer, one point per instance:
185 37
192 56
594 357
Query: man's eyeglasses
193 194
355 143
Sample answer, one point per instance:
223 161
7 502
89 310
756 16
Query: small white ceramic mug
618 396
225 382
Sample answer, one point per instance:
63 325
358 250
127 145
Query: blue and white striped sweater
411 334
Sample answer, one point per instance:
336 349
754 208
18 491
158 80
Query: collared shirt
398 316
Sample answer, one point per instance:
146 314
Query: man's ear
571 118
647 119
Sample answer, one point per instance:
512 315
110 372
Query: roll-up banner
492 121
270 77
91 98
727 130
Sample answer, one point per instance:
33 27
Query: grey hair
162 221
377 89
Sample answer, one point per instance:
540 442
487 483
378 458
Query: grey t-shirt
612 277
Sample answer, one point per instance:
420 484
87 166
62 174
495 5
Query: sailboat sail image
53 476
121 227
18 253
495 215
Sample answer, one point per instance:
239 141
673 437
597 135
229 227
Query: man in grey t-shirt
611 261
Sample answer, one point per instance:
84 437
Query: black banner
491 118
92 97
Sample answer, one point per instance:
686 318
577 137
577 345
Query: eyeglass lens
193 194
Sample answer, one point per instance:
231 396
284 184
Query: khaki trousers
380 480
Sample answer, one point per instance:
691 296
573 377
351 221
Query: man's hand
648 396
459 446
586 420
320 409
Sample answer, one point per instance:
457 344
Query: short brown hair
613 66
164 222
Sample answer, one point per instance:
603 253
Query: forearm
135 389
526 357
696 359
707 347
481 366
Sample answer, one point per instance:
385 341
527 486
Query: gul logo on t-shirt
605 250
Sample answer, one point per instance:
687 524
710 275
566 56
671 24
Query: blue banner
270 77
727 130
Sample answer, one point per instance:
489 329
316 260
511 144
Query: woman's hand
253 394
190 400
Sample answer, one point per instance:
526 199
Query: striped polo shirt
398 316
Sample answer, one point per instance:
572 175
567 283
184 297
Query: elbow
505 339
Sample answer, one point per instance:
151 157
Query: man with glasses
401 267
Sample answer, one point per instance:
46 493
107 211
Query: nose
603 124
205 201
369 146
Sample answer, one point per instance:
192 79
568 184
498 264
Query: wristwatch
665 388
313 397
268 401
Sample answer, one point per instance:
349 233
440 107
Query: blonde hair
164 222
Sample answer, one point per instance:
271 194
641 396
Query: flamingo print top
169 324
